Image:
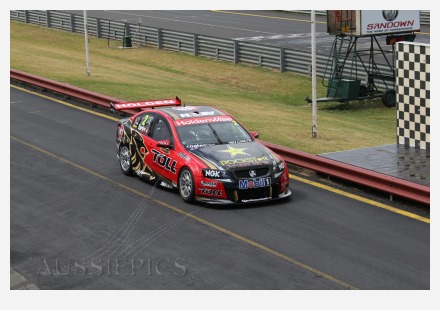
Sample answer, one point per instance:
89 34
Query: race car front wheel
186 185
125 160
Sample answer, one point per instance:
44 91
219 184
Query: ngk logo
211 173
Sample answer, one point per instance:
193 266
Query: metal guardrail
371 179
378 181
282 59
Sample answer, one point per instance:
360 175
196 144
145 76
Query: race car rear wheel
186 185
125 160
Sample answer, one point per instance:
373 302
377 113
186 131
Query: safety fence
378 181
278 58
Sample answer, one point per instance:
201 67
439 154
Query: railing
282 59
371 179
378 181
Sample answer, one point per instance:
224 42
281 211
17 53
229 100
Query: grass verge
264 100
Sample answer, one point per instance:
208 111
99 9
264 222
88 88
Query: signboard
372 22
389 21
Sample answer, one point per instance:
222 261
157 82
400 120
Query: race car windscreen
199 135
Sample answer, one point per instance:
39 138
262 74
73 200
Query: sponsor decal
184 108
120 132
256 199
197 114
144 174
210 191
145 104
209 184
163 143
239 141
184 156
138 152
165 184
197 146
242 162
234 151
254 183
209 173
202 120
144 121
164 161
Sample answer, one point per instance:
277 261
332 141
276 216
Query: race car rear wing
145 104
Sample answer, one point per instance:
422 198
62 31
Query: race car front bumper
217 201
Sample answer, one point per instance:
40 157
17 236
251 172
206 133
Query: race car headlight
216 174
278 168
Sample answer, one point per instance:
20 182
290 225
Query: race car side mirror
164 143
255 134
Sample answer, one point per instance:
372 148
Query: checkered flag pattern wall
413 94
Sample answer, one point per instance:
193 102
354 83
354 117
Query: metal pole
86 37
314 107
108 38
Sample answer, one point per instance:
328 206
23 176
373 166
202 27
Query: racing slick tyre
389 98
186 185
125 160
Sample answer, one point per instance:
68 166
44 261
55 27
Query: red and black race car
201 151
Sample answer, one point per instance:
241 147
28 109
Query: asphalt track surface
76 222
272 28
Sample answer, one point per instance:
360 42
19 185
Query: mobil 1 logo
254 183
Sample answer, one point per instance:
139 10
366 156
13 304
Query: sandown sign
375 22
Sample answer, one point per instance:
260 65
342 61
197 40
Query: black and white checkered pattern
413 94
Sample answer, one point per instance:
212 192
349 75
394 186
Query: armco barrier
66 89
364 177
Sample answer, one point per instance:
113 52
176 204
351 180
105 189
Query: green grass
264 100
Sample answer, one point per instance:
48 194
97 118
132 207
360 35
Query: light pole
314 107
86 37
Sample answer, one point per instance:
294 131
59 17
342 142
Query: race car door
140 145
164 158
